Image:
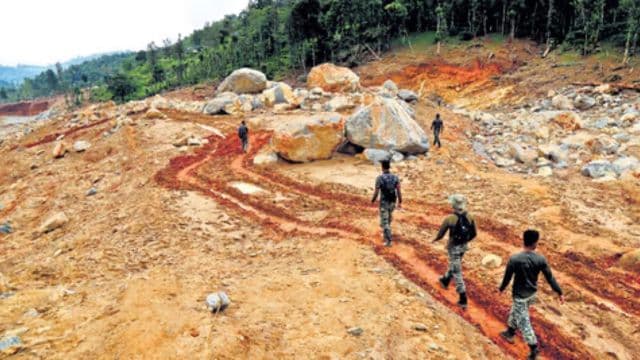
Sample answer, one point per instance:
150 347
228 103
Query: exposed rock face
244 81
303 139
386 124
330 77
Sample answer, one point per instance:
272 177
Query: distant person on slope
437 126
243 134
462 229
525 267
388 185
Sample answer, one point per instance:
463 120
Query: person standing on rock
437 126
462 229
525 267
243 134
388 186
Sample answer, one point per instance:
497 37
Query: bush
465 35
100 94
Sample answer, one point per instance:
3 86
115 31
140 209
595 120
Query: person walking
462 229
243 134
388 186
525 267
438 127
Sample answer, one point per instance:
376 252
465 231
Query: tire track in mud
212 167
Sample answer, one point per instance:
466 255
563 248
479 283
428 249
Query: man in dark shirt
388 185
525 267
437 126
243 134
462 229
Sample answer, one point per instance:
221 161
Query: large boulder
339 103
81 145
303 139
279 93
386 124
407 95
222 103
265 158
330 77
522 154
598 169
244 81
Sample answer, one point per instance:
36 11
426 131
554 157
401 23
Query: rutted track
213 167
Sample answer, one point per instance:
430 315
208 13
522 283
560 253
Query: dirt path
340 210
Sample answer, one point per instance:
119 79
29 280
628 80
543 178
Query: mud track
212 168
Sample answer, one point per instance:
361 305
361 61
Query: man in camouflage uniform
388 185
525 268
462 229
243 134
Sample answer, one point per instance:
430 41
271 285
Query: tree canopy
276 36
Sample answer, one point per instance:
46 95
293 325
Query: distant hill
13 75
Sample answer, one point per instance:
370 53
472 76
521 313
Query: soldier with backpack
462 229
243 134
388 186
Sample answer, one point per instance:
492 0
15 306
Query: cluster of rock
593 129
378 121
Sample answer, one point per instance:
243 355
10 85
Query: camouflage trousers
245 144
386 215
455 266
519 318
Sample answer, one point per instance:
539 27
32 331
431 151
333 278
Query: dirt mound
30 108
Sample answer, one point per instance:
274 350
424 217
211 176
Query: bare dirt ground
300 255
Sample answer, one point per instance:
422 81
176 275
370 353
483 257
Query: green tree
121 86
3 94
632 9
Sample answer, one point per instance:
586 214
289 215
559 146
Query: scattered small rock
81 145
10 344
491 261
6 228
217 302
59 150
420 327
355 331
56 221
92 191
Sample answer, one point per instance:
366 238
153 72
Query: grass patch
421 41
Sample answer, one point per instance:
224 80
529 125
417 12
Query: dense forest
276 36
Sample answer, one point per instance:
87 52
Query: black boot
444 281
533 355
463 300
509 335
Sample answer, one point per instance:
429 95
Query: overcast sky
41 32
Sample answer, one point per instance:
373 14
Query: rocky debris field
121 225
590 129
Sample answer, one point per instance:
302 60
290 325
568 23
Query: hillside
283 37
113 247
